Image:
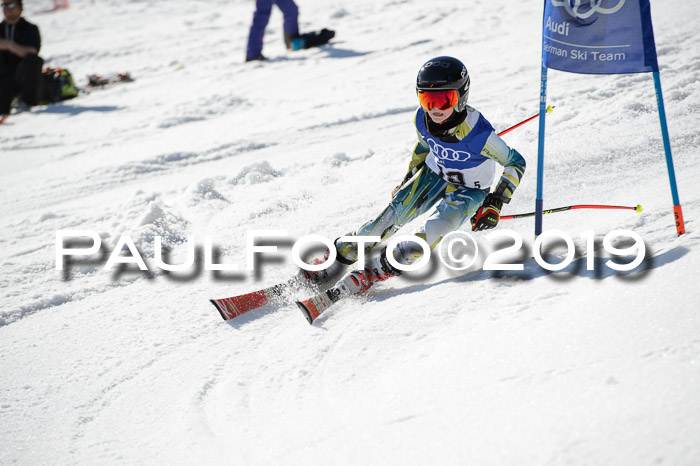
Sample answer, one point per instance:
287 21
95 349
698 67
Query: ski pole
549 110
637 208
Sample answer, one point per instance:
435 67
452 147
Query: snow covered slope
576 367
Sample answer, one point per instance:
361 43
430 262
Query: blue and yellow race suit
455 172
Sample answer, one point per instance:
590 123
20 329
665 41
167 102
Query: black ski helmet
445 73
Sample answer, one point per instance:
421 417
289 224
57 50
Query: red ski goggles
438 99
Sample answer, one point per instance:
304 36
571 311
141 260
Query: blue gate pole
540 151
677 211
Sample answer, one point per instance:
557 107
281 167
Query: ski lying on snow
96 80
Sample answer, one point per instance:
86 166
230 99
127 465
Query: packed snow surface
441 367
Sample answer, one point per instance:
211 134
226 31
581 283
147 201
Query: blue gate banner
598 36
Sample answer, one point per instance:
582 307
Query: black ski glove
488 214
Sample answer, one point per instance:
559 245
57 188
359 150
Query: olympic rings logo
573 7
445 153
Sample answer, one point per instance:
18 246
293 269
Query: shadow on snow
531 270
75 109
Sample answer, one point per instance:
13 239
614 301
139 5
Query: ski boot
309 39
354 284
316 280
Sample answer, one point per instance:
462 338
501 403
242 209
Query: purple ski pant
263 8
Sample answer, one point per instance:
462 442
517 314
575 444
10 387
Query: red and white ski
315 305
239 305
96 80
235 306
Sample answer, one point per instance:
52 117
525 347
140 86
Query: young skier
453 165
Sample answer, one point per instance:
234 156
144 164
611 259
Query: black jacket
24 33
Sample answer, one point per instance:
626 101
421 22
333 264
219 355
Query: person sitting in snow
452 167
20 64
292 39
